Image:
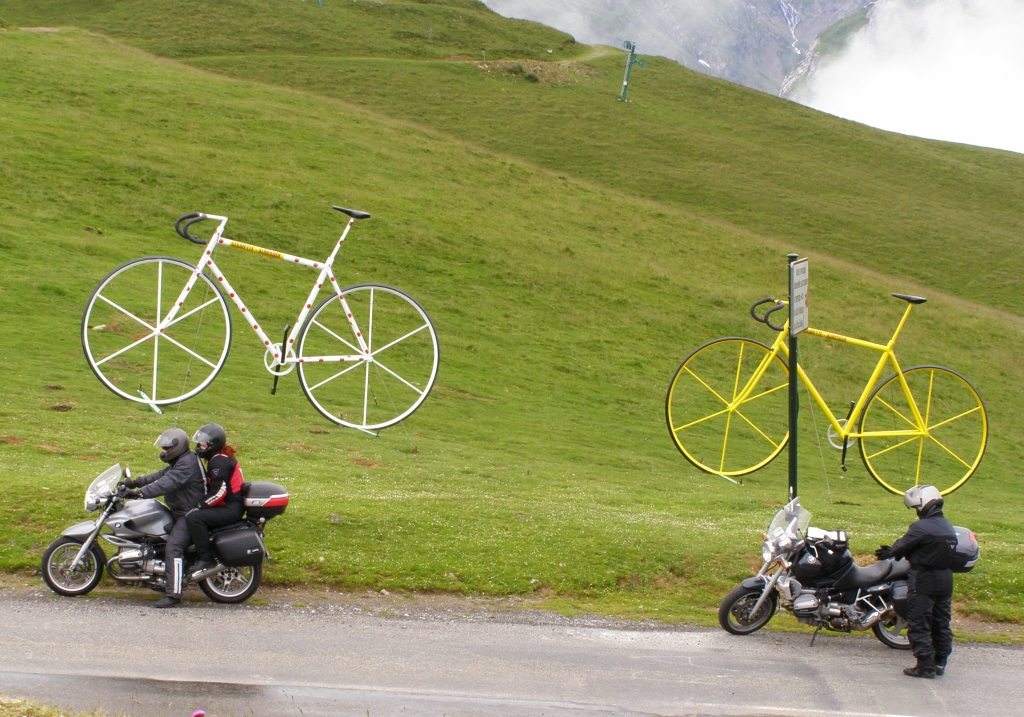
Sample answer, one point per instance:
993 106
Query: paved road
338 658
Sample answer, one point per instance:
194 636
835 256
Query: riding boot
919 671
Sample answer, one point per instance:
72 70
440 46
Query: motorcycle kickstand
815 635
284 352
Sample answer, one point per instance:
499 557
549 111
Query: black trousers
202 520
177 543
928 618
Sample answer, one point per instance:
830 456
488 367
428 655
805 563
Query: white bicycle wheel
370 388
124 347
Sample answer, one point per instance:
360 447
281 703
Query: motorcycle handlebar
764 318
189 220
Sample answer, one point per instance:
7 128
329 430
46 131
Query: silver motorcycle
137 529
810 573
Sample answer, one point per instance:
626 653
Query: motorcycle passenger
222 504
929 545
181 484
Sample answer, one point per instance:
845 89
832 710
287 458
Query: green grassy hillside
540 464
944 215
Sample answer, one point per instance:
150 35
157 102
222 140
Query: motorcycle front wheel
892 632
734 613
57 572
233 585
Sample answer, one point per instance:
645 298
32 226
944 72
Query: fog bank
942 69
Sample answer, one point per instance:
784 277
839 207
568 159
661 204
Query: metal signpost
632 60
797 324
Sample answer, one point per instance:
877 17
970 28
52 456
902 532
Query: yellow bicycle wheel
727 406
944 452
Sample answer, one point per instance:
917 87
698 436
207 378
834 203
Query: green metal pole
794 395
629 66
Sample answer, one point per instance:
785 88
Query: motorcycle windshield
105 482
791 520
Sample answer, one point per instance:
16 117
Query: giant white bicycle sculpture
157 331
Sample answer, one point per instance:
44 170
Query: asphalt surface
406 657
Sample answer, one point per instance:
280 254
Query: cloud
942 69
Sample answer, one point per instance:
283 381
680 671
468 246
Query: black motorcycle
73 564
811 573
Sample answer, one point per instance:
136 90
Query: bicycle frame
206 263
846 431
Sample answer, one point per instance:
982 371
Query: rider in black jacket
182 485
929 545
223 503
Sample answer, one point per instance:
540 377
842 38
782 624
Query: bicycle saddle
905 297
352 213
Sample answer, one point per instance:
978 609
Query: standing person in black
222 504
929 545
181 484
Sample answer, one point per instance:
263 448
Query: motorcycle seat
880 572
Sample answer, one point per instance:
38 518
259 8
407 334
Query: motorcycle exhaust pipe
208 573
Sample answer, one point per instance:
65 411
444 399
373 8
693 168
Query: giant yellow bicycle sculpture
727 411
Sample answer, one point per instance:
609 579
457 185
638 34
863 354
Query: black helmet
213 436
174 443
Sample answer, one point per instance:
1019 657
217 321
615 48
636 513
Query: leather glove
133 493
884 552
130 483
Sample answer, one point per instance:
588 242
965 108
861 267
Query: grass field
563 300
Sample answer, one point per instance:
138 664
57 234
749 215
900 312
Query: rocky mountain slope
757 43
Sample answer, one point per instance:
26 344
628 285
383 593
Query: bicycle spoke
343 371
418 391
126 348
186 349
764 393
690 371
725 442
384 348
125 312
763 434
700 420
884 403
739 368
954 418
354 348
366 384
940 445
369 341
214 300
892 447
920 454
156 336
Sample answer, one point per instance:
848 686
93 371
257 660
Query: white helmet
921 495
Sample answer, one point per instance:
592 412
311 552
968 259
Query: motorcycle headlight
767 550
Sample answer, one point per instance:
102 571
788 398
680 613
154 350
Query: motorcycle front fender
755 583
80 531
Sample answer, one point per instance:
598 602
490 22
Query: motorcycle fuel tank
141 517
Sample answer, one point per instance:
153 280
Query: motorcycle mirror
127 472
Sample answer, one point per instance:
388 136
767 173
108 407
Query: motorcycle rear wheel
733 613
233 585
56 565
888 633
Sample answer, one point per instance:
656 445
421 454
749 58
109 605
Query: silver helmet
920 496
173 442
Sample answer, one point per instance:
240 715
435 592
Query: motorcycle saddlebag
967 551
264 499
238 547
899 597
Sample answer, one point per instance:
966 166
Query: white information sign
798 287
